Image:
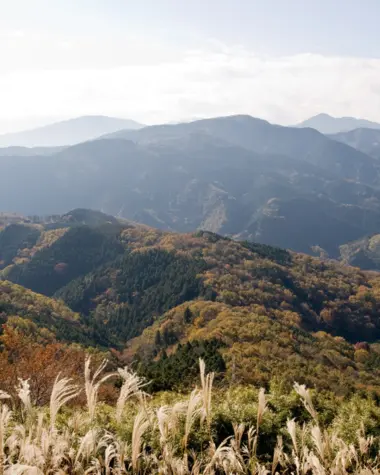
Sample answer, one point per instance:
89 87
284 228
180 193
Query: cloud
155 84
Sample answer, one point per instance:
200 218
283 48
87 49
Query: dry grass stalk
92 385
160 442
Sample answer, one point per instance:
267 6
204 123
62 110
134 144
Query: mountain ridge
328 124
237 176
363 139
67 132
279 313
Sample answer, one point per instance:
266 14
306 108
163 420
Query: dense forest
158 308
161 300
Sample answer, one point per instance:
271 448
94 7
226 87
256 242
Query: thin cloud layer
153 84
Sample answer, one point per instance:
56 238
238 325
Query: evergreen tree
188 315
158 340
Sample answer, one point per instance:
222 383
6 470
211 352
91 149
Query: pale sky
168 60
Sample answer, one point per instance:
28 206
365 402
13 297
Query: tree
158 339
188 315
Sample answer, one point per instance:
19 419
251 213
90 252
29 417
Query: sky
158 61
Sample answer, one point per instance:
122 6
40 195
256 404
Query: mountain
238 176
29 151
54 319
326 124
363 253
68 132
263 138
365 140
240 346
12 218
253 311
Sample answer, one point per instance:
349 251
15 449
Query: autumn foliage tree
32 353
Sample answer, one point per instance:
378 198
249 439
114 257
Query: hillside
236 176
253 312
326 124
68 132
274 314
365 140
28 151
37 315
363 253
12 218
263 138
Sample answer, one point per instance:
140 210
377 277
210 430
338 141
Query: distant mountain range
365 140
68 132
238 176
326 124
29 151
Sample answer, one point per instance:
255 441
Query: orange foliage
22 357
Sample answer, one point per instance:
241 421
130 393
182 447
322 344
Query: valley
222 277
146 292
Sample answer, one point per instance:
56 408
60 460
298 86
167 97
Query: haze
169 60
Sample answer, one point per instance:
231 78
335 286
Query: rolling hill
68 132
237 176
51 318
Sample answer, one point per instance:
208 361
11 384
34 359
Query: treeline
177 371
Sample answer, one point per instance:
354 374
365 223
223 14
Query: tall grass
178 438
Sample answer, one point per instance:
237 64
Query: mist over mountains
238 176
365 140
68 132
326 124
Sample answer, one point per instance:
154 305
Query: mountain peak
323 115
327 124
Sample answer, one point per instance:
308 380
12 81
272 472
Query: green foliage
145 292
210 236
269 252
179 370
356 413
218 430
63 324
77 252
14 238
187 315
145 284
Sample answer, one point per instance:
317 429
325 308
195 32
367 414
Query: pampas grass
93 383
160 440
130 388
63 391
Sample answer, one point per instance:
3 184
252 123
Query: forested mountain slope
253 311
237 176
365 140
363 253
41 316
273 314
